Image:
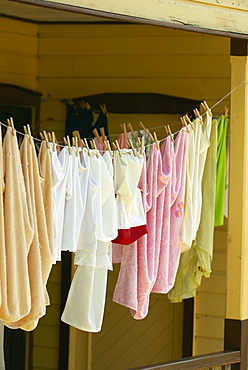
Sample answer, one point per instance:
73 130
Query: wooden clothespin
42 137
29 132
107 145
206 108
49 137
114 146
95 132
69 144
65 141
131 129
226 112
170 133
132 147
87 146
54 141
46 139
76 145
197 115
118 148
156 140
186 117
87 106
102 131
184 124
166 130
144 128
124 128
139 142
142 145
11 124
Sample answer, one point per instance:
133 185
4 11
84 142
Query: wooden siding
80 60
18 53
210 301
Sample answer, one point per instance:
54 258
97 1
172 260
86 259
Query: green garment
196 262
221 171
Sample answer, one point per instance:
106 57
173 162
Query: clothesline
152 128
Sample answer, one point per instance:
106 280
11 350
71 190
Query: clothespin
226 112
95 132
46 138
87 146
197 115
206 108
54 141
186 117
184 123
29 132
170 133
114 146
65 141
144 128
49 137
132 147
131 129
69 144
107 145
102 131
93 146
87 106
142 145
156 140
139 142
76 145
11 124
42 137
166 131
25 130
104 109
118 148
124 128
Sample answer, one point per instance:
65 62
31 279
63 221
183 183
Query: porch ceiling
40 14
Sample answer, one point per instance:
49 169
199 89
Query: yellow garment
39 257
44 162
196 262
16 299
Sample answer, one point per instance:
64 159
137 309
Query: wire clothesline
152 128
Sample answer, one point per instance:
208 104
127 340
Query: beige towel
39 258
44 161
16 302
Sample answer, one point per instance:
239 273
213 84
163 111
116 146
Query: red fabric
128 236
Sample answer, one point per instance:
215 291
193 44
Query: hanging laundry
196 262
221 170
39 256
16 301
62 190
86 299
45 170
130 211
196 157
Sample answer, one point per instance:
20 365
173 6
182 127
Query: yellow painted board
219 262
52 110
210 304
45 357
52 316
73 87
209 327
46 336
19 43
23 80
18 27
55 275
135 66
123 46
18 64
207 345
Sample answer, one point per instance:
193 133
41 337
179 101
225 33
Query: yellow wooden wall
18 53
66 61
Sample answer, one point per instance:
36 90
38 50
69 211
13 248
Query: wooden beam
191 15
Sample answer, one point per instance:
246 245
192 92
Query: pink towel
122 141
164 203
177 209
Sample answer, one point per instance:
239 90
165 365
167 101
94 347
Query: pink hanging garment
164 203
177 209
100 144
122 141
126 287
